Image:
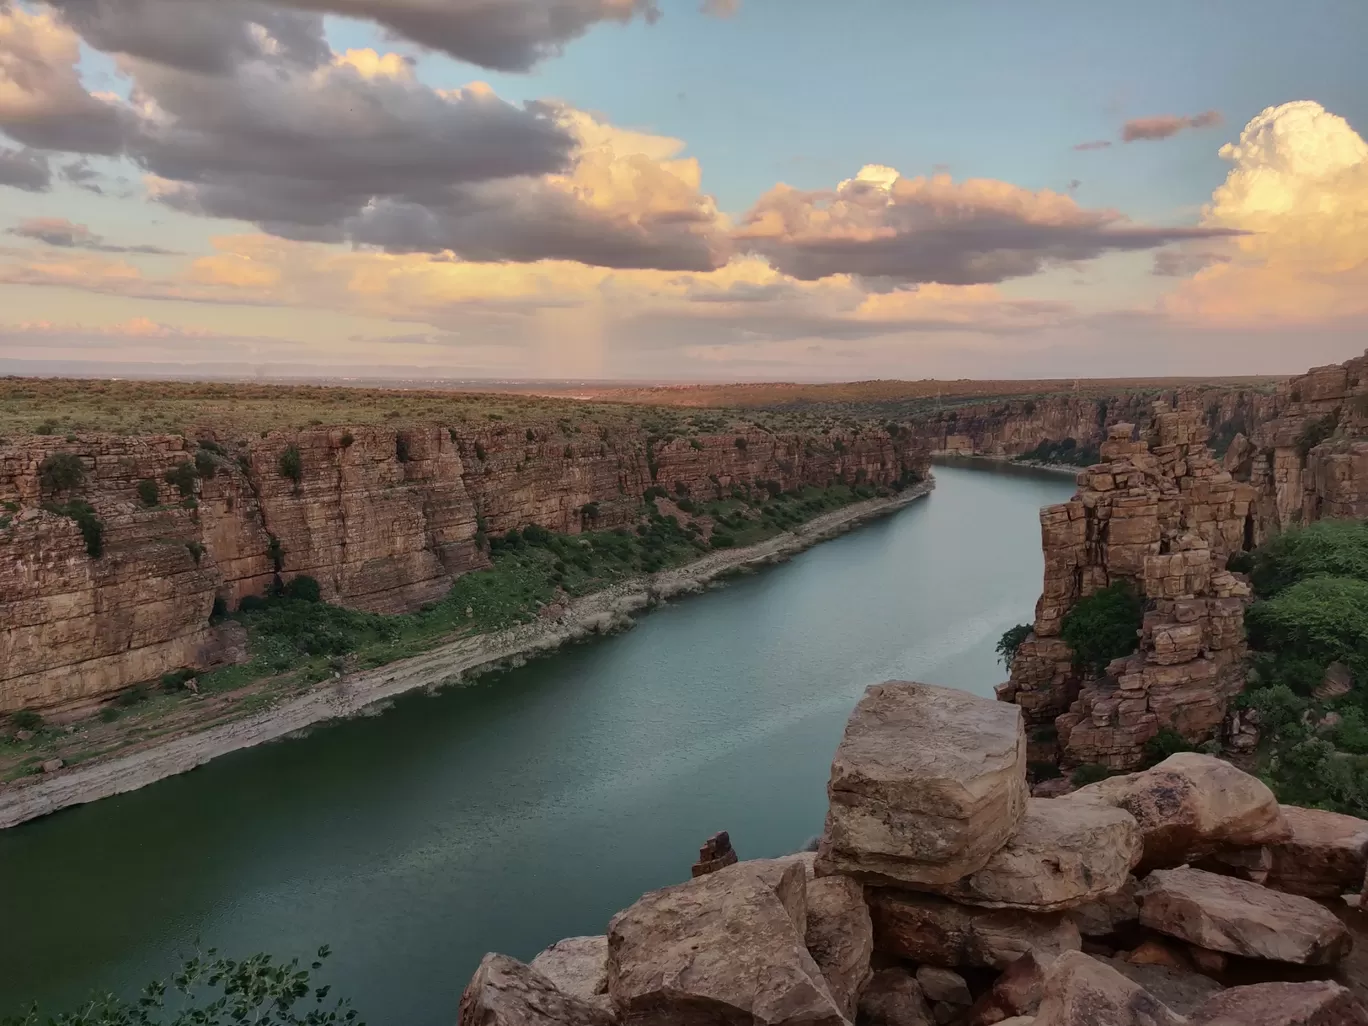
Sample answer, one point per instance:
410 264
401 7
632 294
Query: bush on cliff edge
1104 626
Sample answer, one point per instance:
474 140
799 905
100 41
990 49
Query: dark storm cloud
24 169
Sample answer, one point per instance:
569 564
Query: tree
1011 641
1104 626
61 472
215 991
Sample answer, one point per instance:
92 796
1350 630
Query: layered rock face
768 943
1160 514
384 520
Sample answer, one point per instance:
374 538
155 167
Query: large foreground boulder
1063 854
578 966
1240 918
1081 991
1192 804
932 930
721 948
894 998
1318 1003
1325 856
840 937
504 992
926 785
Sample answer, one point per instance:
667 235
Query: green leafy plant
1163 744
209 990
1103 626
1011 641
183 476
1088 773
92 528
291 464
304 588
1334 548
61 472
205 463
26 719
148 492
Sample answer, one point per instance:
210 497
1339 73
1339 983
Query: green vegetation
92 528
1312 612
61 472
1104 626
1089 773
183 477
148 492
291 465
1315 432
210 990
1011 641
1066 450
1165 743
26 719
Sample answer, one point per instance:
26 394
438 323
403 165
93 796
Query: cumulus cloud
214 35
58 231
42 100
882 226
1165 125
24 169
1299 188
1179 262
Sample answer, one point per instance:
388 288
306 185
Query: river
533 804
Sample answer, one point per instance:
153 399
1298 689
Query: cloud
42 101
58 231
216 35
1178 262
880 225
25 169
721 8
1094 144
1299 187
1165 125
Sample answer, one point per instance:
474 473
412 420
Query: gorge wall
1160 512
384 519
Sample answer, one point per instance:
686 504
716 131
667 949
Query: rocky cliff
1160 513
115 550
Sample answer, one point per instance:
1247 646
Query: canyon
119 553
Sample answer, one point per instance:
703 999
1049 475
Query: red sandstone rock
504 992
1325 856
1316 1003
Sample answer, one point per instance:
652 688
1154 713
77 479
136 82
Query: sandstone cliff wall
385 520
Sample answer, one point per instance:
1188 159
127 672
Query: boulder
1325 856
1240 918
1192 804
1081 991
1247 863
1179 989
894 998
717 853
505 992
946 985
577 965
1318 1003
926 785
840 937
1016 992
1109 913
932 930
1153 952
1064 853
720 947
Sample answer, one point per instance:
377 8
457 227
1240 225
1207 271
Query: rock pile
940 894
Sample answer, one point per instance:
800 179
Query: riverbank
1011 461
446 664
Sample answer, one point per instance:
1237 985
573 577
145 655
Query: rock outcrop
1240 918
1079 990
1160 515
578 966
1325 854
504 992
927 784
1317 1003
383 519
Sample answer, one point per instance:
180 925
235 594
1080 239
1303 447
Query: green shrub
61 472
1321 620
183 475
1089 773
480 451
1314 432
1043 771
276 553
205 463
174 680
304 588
1011 641
1104 626
148 492
135 695
92 529
401 448
741 443
291 464
196 551
347 439
1163 744
26 719
1336 548
722 540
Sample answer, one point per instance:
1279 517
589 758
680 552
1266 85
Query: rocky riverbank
598 613
943 893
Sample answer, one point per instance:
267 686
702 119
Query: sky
669 190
